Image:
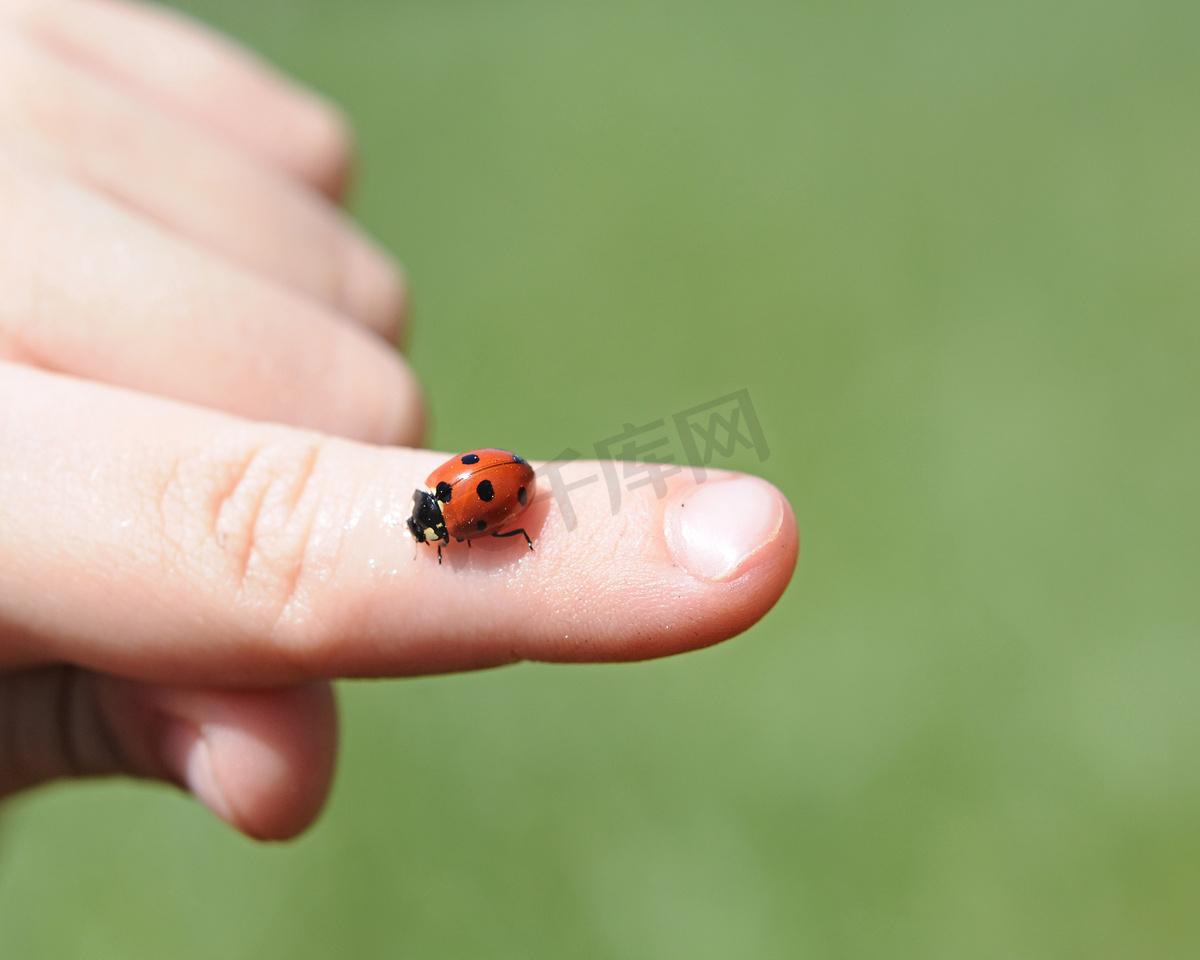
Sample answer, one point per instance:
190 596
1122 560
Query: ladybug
470 496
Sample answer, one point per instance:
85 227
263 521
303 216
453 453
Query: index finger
155 540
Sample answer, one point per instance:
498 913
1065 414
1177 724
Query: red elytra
475 494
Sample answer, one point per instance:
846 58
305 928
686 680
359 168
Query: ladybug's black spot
485 490
481 525
443 491
522 496
470 458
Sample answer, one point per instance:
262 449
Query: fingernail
714 530
190 757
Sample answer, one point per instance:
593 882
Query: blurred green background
953 251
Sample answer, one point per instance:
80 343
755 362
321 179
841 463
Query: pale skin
208 443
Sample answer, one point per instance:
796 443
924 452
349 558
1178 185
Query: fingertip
262 761
326 130
715 557
721 529
737 535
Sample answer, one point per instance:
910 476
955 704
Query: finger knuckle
51 726
395 305
241 515
329 146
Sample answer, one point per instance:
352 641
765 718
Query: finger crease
226 502
291 580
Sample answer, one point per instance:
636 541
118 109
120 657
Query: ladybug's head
427 522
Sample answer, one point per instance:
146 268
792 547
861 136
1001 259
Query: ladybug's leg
439 554
513 533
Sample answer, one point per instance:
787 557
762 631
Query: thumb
262 760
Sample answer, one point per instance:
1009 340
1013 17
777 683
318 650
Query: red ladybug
474 494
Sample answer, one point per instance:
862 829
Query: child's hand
180 581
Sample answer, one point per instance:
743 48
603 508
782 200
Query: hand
201 412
